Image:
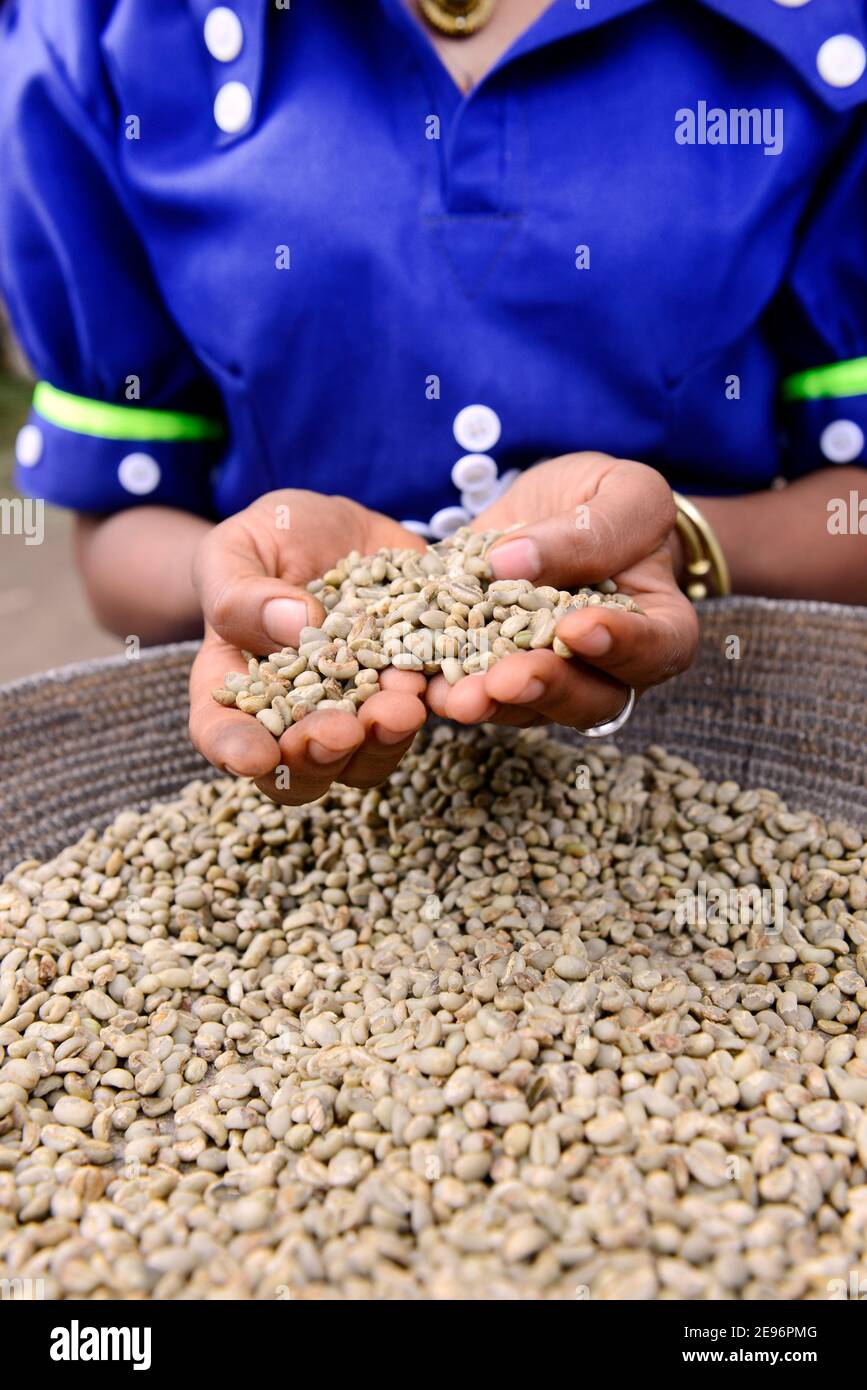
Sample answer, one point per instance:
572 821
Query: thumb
251 610
262 615
626 519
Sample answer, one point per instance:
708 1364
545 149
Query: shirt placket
478 156
472 209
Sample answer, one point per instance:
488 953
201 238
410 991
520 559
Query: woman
262 254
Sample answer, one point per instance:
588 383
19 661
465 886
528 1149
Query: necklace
457 18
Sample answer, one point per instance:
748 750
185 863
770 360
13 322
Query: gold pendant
457 18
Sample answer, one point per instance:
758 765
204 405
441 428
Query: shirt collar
797 33
563 20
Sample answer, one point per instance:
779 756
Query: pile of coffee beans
434 611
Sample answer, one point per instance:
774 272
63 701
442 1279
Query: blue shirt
250 247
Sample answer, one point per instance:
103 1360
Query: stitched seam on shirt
496 256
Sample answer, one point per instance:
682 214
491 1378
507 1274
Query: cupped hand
250 573
583 518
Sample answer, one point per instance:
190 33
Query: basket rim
73 670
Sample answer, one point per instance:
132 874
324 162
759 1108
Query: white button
477 428
842 441
139 474
447 520
233 105
420 528
793 4
224 36
29 446
841 60
473 471
476 499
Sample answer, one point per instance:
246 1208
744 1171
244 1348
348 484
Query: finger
248 608
390 722
228 738
477 700
628 517
408 682
436 695
562 691
312 754
438 692
639 649
467 702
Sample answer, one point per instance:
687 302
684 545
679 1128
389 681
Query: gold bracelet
706 569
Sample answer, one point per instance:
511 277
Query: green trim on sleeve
823 383
99 418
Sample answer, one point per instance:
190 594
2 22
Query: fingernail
517 559
596 641
320 754
533 691
232 772
284 619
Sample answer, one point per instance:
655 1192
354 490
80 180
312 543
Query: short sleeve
821 325
123 412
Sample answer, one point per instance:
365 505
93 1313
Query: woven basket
788 712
